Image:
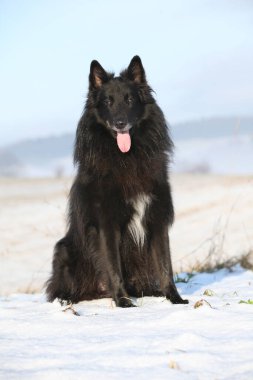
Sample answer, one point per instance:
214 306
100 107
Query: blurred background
198 57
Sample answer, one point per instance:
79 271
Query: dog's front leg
110 240
164 265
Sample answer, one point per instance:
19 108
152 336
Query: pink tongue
124 141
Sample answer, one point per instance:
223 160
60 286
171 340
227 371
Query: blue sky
198 57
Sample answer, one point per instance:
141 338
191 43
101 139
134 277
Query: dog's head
119 102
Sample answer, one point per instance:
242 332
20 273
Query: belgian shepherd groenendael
120 205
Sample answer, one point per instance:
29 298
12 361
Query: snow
156 340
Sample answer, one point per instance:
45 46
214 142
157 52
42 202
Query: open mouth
124 141
122 136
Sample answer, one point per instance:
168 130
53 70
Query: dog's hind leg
59 284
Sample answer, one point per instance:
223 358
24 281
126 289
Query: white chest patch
140 204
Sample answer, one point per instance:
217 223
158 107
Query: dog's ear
98 75
135 70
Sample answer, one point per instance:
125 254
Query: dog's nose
120 124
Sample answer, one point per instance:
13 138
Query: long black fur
99 256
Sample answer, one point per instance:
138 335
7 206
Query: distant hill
43 150
53 155
50 156
212 128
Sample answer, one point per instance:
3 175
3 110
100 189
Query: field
211 338
213 219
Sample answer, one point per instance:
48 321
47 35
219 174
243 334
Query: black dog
120 205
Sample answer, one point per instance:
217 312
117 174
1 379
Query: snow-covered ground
157 340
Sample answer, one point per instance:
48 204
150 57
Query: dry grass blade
202 302
173 365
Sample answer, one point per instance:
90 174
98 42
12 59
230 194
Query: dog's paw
125 302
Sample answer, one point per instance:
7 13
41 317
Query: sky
198 57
